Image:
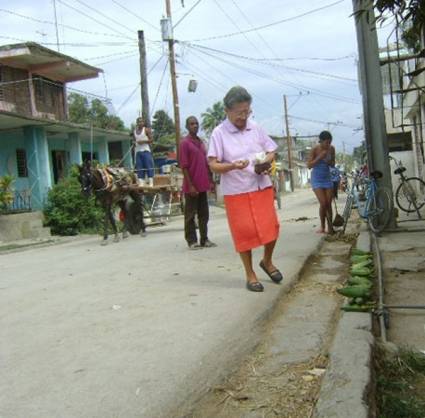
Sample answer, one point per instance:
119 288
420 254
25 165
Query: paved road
135 328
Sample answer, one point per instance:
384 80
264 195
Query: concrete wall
22 226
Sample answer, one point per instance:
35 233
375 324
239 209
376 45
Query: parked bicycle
410 193
373 203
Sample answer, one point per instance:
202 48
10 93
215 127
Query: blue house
37 143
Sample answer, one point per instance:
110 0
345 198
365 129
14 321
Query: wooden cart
160 201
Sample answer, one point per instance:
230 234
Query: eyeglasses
242 113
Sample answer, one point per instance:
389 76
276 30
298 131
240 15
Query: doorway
59 159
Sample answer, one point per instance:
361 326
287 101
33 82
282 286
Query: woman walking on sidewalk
242 153
322 157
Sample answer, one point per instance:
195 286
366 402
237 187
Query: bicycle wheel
347 210
379 210
410 195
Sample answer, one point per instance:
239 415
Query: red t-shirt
193 156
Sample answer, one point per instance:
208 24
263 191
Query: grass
400 384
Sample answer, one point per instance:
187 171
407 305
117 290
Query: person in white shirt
144 161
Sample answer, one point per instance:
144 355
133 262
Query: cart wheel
133 218
386 315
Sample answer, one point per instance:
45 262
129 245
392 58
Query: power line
258 33
279 81
338 123
236 26
138 85
47 22
317 73
135 15
134 54
108 56
270 24
253 27
234 82
307 58
159 87
187 13
104 15
128 98
92 18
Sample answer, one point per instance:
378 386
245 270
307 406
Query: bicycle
410 193
373 205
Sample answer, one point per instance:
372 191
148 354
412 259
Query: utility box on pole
166 29
372 96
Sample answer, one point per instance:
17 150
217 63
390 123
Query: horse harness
115 178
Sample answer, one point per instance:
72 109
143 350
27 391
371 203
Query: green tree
82 111
404 10
162 125
360 154
410 15
78 108
212 117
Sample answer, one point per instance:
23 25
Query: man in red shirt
196 184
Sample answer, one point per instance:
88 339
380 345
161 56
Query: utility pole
372 96
172 61
343 154
289 145
143 79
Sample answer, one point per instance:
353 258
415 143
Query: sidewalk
348 388
403 256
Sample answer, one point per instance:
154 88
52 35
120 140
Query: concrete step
14 227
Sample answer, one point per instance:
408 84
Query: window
21 161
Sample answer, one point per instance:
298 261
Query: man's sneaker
208 244
195 246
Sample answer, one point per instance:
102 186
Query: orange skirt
252 219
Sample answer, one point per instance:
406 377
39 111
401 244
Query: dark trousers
196 205
144 164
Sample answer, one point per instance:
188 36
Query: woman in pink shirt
242 153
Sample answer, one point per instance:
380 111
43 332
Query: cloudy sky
306 50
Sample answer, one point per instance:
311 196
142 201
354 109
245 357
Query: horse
112 186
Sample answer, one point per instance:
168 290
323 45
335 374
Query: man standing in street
196 184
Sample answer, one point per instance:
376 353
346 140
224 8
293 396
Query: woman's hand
322 154
240 164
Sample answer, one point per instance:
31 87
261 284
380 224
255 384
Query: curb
346 385
240 347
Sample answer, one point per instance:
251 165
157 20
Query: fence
21 202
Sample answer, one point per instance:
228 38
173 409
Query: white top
141 137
